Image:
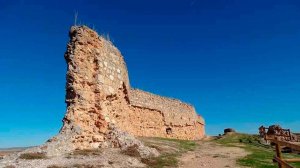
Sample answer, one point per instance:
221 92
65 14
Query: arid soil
211 155
207 154
107 158
4 152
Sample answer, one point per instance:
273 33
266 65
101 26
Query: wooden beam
292 160
282 163
287 144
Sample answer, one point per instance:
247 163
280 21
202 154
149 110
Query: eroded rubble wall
96 72
180 117
101 105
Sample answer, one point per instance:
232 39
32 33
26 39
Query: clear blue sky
237 61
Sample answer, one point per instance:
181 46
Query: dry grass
158 148
165 160
76 166
170 150
87 152
31 156
10 166
55 166
132 151
86 166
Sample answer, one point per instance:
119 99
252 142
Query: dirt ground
211 155
207 154
107 158
4 152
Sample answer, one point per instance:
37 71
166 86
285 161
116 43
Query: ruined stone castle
102 108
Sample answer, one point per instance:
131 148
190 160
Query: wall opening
169 130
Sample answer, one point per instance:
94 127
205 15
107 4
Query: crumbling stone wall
96 72
102 107
175 112
170 113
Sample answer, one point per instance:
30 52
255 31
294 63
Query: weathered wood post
290 135
278 154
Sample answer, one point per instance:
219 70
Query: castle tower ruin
104 111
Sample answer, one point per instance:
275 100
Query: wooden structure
281 138
275 132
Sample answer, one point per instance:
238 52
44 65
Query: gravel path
212 155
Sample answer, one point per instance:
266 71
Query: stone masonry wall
151 122
101 104
95 69
95 72
176 113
